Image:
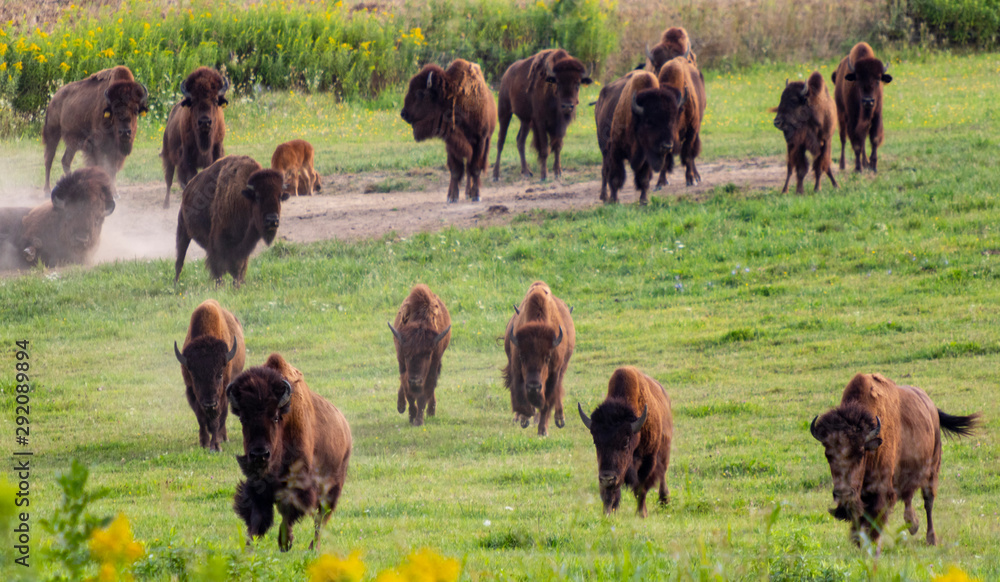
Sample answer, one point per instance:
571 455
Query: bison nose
83 238
405 115
868 102
534 386
777 123
666 147
568 106
271 221
204 122
607 477
260 454
842 493
125 132
416 384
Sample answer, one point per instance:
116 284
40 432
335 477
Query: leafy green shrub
963 22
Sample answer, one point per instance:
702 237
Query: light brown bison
214 353
294 159
196 127
457 106
227 209
296 449
98 115
680 74
632 431
857 92
539 342
807 116
884 443
674 42
11 237
422 332
543 91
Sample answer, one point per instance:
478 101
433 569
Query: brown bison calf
457 106
806 115
632 431
674 42
227 209
294 159
422 333
883 443
539 342
857 92
680 74
213 354
296 448
543 91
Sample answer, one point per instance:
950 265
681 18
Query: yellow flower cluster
421 566
955 574
329 568
115 549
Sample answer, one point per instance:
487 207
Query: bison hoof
474 198
560 422
416 422
525 422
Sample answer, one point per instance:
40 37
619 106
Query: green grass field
753 309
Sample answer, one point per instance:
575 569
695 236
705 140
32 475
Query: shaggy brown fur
539 342
98 115
422 332
294 159
196 127
883 443
457 106
680 74
674 42
227 209
11 237
806 115
632 431
543 91
296 449
857 93
213 354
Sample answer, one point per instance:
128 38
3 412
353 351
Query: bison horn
180 356
850 65
394 332
583 417
559 339
513 338
635 105
184 90
516 310
109 207
687 53
637 425
287 397
232 351
225 87
683 98
145 93
805 89
786 81
649 53
430 79
885 68
812 428
441 335
875 431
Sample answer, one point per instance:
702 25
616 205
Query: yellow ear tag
107 114
143 114
224 105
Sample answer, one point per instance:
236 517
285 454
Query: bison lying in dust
422 333
296 448
806 116
294 159
857 93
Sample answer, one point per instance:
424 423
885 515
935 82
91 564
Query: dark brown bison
457 106
857 92
296 448
196 127
637 121
227 209
422 332
98 115
214 353
884 443
543 91
674 42
294 159
539 342
806 115
680 74
632 431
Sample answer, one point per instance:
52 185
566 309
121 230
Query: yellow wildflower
18 65
955 574
428 566
107 53
114 543
64 67
34 47
41 58
3 66
69 54
329 568
390 576
3 49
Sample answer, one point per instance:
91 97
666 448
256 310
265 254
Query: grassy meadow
752 308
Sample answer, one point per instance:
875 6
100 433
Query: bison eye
277 417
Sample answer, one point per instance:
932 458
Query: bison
680 74
543 91
674 42
196 127
294 159
806 115
539 342
98 115
457 106
11 237
213 354
857 92
632 431
296 448
637 121
883 443
227 209
421 333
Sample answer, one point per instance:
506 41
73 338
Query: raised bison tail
592 103
958 425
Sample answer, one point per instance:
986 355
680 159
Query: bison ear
586 81
586 420
223 102
873 444
550 79
850 77
249 193
886 79
441 335
57 202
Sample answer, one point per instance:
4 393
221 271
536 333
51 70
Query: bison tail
958 425
507 376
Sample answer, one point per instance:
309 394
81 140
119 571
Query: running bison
857 92
213 354
457 106
883 443
98 115
196 127
294 159
632 431
539 342
543 91
674 42
227 209
806 115
422 332
680 74
296 448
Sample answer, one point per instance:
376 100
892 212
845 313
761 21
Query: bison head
82 200
536 344
125 101
205 359
261 398
655 114
426 106
849 433
416 345
564 79
675 43
616 431
204 92
265 189
793 112
869 74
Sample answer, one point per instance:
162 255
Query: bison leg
662 181
67 158
168 176
640 497
909 515
203 432
842 126
51 143
285 537
416 414
522 137
557 143
541 143
239 271
401 399
928 493
616 177
457 169
472 183
430 384
790 163
254 502
642 178
664 492
801 169
183 240
876 141
504 118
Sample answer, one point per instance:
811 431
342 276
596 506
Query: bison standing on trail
296 448
457 106
294 159
806 115
674 42
422 332
543 91
227 209
857 92
213 354
883 443
680 74
196 127
539 342
632 431
98 115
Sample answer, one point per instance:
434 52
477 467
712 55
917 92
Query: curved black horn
786 81
184 90
850 65
805 89
180 356
430 79
109 207
559 339
513 338
394 332
875 431
635 105
441 335
583 417
232 351
145 93
637 425
287 397
812 428
516 310
225 86
885 67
